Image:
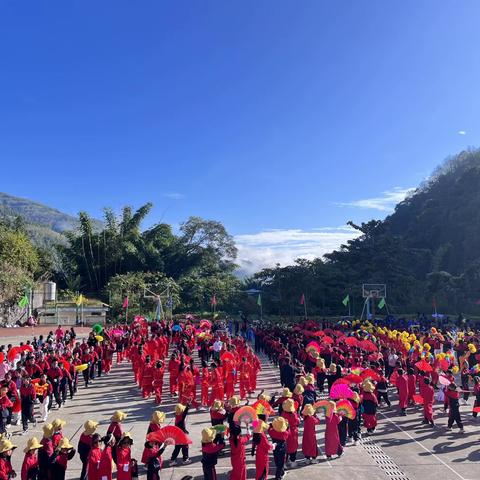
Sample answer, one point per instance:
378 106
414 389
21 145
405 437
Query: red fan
171 435
443 364
66 364
368 346
205 324
227 357
319 333
2 357
13 353
418 399
341 391
369 373
351 341
424 366
27 348
352 378
476 410
328 340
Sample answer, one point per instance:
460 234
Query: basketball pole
373 308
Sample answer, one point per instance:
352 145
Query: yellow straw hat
264 396
368 386
6 445
32 444
234 401
298 390
118 416
158 417
320 363
208 435
90 426
58 424
310 379
302 381
333 368
47 430
127 435
179 408
288 406
308 410
217 405
286 393
65 444
280 424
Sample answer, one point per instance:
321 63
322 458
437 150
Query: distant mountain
36 213
44 224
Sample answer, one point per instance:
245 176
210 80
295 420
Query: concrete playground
401 448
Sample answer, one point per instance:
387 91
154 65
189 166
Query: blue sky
281 119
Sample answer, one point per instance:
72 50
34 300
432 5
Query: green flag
346 300
381 303
23 301
259 300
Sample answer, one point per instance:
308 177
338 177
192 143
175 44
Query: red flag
125 303
214 300
302 299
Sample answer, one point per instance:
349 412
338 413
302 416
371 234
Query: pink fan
444 381
341 391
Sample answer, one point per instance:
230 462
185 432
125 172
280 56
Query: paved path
401 449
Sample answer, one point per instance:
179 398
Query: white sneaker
293 464
313 461
173 463
188 461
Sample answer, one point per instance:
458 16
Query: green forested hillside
427 251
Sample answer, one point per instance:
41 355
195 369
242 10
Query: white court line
422 446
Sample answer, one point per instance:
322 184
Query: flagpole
349 314
305 306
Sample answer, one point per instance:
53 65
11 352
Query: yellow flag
79 300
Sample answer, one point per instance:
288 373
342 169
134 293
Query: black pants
86 376
63 389
476 404
279 459
342 432
27 413
176 451
83 474
209 472
99 368
383 396
354 427
56 393
455 417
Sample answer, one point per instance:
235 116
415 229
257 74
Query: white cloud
385 203
269 247
174 195
462 132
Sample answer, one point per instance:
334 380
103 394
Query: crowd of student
346 372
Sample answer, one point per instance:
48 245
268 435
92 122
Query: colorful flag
79 300
213 302
23 302
170 302
259 300
381 304
346 300
125 303
302 299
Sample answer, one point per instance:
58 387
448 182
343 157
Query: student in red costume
30 461
309 439
369 404
238 454
261 449
279 434
155 424
210 451
126 465
428 394
402 386
290 415
332 437
85 445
